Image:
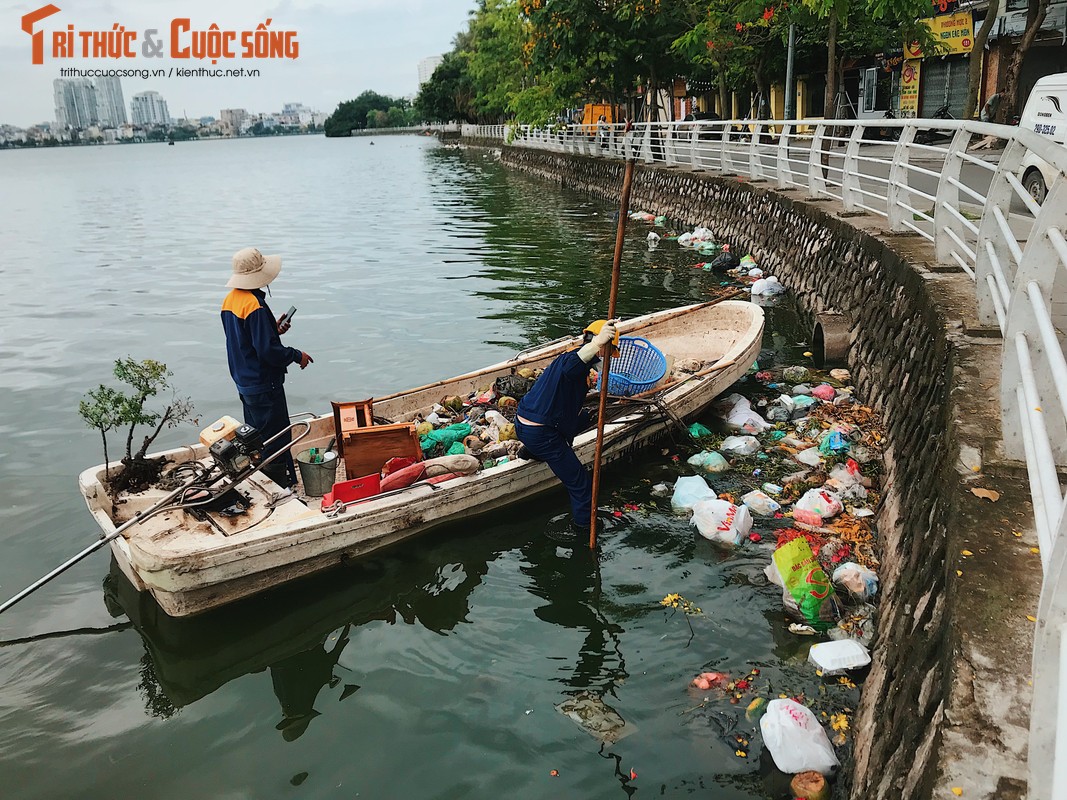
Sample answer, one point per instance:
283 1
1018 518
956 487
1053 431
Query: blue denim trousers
547 444
269 414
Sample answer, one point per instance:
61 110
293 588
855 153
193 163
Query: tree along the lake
533 60
353 114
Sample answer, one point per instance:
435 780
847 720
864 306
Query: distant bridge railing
437 127
929 177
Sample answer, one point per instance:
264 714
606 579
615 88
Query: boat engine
233 445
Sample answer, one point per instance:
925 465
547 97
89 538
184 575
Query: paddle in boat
186 546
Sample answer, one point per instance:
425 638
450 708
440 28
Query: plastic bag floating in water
596 717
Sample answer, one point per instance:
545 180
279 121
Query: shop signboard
955 31
909 88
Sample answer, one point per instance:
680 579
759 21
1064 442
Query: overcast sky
346 46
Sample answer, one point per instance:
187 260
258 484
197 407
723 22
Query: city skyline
345 49
81 103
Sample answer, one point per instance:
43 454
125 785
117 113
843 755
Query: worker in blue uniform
551 415
257 357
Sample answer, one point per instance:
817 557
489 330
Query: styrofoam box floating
838 657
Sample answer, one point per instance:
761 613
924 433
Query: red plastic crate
355 489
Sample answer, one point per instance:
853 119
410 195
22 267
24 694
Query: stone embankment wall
942 705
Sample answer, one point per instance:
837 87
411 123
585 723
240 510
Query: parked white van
1045 112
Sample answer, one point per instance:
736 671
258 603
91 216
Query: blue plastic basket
638 367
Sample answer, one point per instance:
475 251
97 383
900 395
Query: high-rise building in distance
109 102
427 66
233 118
76 102
149 108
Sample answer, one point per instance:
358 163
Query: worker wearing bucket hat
257 358
550 415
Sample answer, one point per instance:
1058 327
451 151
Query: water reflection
297 632
550 263
298 679
569 580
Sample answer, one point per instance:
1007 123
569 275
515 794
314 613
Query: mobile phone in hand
288 315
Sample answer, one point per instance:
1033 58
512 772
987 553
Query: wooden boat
191 565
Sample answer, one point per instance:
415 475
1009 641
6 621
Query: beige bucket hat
253 270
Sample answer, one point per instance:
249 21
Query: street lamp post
790 89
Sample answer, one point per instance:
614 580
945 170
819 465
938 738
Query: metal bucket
317 478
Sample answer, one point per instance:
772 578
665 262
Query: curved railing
438 127
932 178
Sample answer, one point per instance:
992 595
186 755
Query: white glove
589 351
607 334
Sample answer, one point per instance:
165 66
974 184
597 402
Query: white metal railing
440 127
928 177
495 132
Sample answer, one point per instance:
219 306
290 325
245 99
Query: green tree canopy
352 114
448 94
497 57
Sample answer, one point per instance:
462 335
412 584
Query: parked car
1045 112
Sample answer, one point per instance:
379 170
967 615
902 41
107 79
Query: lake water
433 671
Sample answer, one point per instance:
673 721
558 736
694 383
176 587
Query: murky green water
433 671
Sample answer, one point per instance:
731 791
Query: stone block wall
905 344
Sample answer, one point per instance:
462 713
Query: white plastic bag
740 445
688 491
767 287
796 740
860 582
773 287
495 418
760 503
725 406
709 462
846 482
722 521
652 240
820 501
685 239
748 421
737 411
812 457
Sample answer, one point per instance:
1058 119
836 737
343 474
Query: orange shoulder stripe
241 303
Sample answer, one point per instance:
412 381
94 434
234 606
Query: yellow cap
595 327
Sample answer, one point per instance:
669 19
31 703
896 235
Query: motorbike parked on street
932 135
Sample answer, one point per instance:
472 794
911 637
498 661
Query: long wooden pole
616 269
